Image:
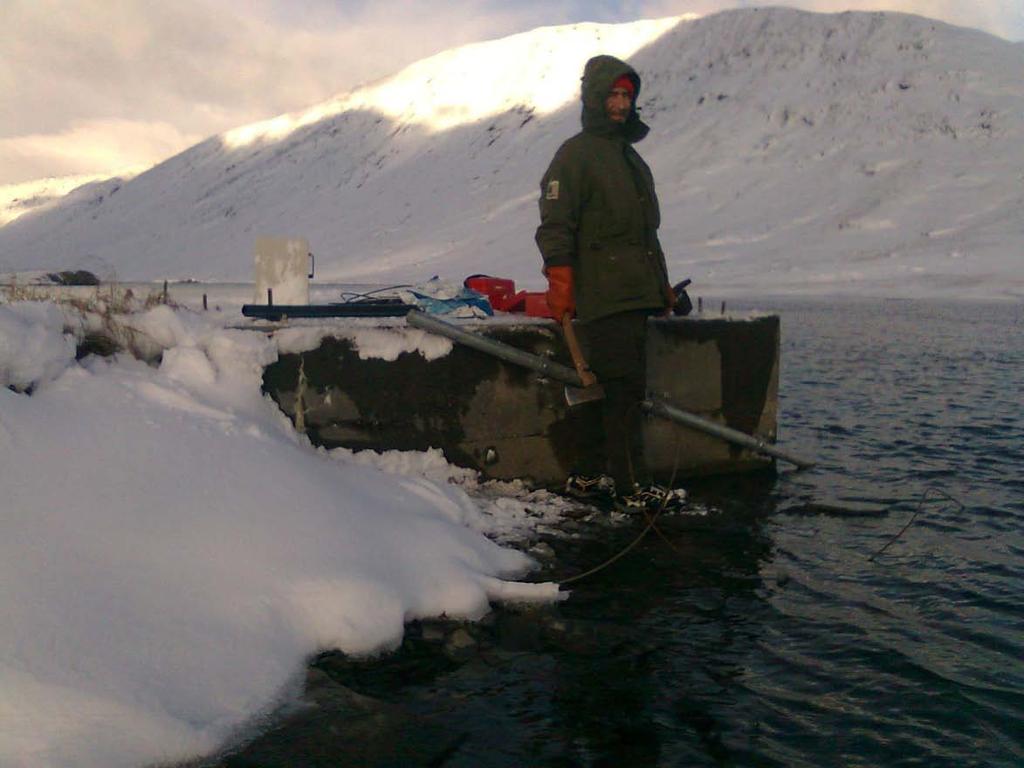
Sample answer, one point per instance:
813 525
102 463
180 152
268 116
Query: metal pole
670 412
499 349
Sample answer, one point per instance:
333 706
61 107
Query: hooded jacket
598 209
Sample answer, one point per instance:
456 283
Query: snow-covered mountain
18 199
875 153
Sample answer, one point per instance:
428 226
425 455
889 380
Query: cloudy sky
97 86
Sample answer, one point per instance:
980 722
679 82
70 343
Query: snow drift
171 552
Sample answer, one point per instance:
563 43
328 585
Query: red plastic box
498 290
503 297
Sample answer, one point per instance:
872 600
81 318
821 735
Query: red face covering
625 82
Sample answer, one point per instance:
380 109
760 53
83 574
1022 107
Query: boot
590 487
652 498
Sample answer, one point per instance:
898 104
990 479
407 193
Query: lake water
768 631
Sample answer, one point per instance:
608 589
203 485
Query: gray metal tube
499 349
666 411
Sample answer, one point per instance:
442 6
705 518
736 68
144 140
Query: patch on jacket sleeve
552 193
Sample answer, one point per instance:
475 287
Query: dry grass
96 316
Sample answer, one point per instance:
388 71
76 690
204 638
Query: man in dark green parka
599 239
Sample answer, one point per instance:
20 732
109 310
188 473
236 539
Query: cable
609 561
651 524
352 296
920 505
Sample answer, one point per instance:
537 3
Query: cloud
1004 18
199 67
92 147
74 71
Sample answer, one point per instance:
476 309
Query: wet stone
542 549
460 644
433 633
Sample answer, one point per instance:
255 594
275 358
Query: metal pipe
499 349
670 412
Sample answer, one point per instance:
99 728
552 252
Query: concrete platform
508 422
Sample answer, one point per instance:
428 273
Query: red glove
559 295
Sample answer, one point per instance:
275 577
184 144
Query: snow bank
502 509
33 345
171 551
370 338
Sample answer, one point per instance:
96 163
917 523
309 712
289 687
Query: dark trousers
611 432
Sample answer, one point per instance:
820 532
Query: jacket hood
598 75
